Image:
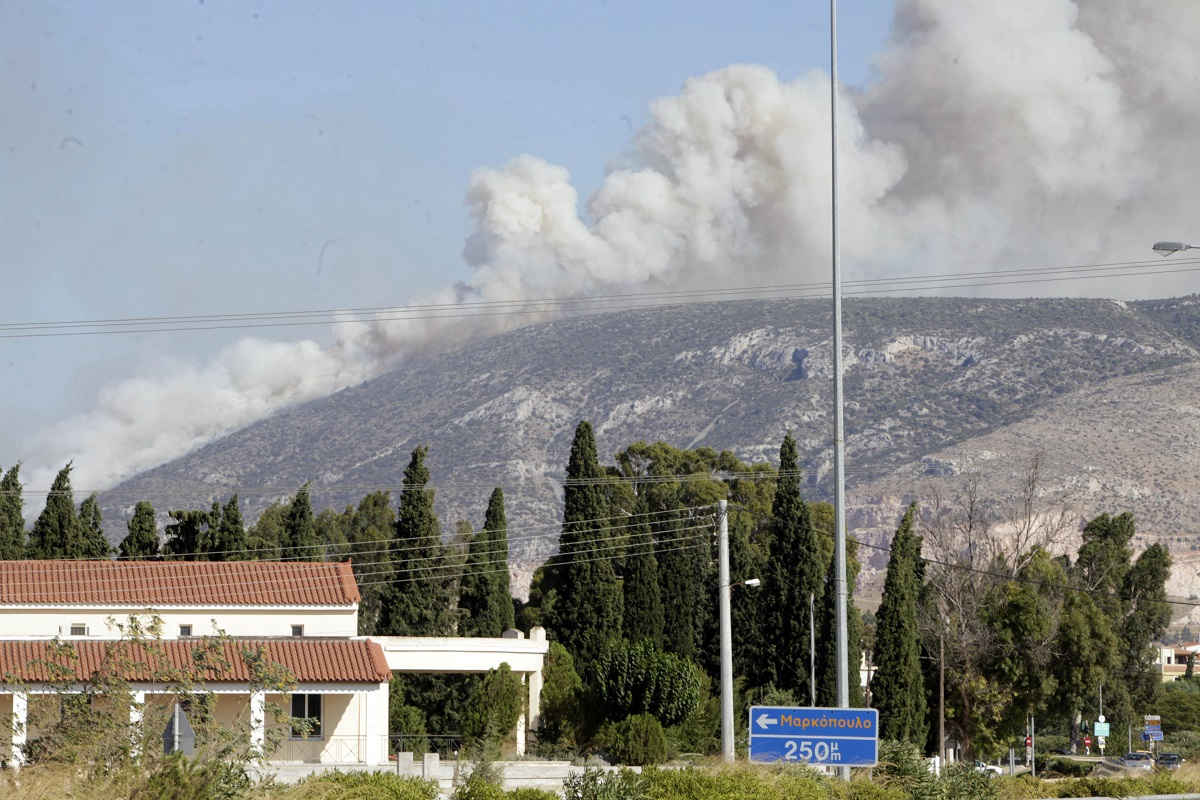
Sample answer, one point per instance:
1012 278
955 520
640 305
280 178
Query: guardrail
445 745
330 750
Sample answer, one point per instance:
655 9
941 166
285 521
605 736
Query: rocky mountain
934 386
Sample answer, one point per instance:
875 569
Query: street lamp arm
1167 248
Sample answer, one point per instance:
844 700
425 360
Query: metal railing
445 745
330 750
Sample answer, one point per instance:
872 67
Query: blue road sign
844 737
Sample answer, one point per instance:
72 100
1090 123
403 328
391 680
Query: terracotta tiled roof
174 660
158 584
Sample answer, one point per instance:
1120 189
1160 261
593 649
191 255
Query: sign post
837 737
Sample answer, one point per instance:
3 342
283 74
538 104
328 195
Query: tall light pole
724 592
839 457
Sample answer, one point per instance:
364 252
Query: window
185 630
78 629
297 630
306 709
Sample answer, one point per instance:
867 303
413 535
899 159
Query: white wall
46 622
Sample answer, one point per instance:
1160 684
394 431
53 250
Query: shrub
529 793
639 740
372 786
596 784
178 778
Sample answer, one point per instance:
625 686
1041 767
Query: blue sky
216 157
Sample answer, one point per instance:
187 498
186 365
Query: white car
985 768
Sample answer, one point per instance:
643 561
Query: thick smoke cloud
997 135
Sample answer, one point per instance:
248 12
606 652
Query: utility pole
723 594
942 696
812 652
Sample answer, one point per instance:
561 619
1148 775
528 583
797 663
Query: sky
160 160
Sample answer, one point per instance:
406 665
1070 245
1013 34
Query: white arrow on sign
764 721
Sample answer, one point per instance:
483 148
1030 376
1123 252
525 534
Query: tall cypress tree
419 603
371 528
795 578
898 688
486 597
643 607
54 530
142 540
89 539
827 640
12 522
300 530
187 535
231 532
587 611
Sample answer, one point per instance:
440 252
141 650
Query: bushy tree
898 688
186 536
485 597
494 708
562 711
89 537
54 533
370 533
12 521
232 541
642 601
142 540
641 679
300 530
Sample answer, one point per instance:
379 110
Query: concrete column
258 721
521 723
375 712
429 766
404 763
535 686
19 727
137 711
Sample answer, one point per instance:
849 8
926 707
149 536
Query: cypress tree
142 540
231 533
795 573
419 602
186 536
12 522
682 562
898 688
587 611
54 530
827 638
89 540
486 597
643 606
300 530
371 529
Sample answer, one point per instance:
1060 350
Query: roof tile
175 583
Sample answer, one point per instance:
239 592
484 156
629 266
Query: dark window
185 630
297 630
306 708
79 630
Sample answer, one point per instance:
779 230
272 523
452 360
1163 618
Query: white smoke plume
996 135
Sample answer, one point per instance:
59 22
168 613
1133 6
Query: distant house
301 616
1172 659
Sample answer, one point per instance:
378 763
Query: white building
301 616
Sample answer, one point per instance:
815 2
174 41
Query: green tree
267 533
12 521
142 540
370 533
89 539
494 707
586 612
562 699
232 542
187 535
827 634
300 530
419 603
898 688
641 679
54 531
643 606
486 598
795 578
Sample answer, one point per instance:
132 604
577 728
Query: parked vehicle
1169 760
985 768
1137 761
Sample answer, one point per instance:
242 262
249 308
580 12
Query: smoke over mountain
996 135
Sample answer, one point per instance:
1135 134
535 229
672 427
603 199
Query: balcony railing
330 750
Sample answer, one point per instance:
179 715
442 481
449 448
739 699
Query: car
1060 752
984 768
1169 760
1137 761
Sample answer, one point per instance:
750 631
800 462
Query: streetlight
1165 249
724 593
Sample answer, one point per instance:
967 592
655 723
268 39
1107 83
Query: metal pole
839 465
723 592
812 651
1032 749
942 696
